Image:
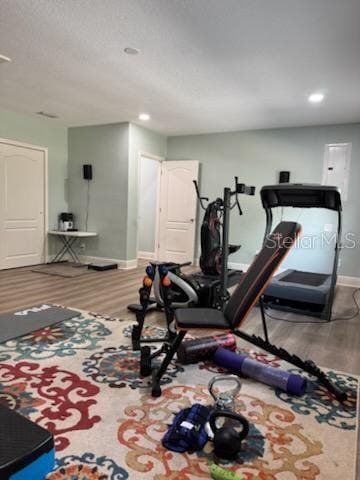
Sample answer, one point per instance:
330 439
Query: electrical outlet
82 246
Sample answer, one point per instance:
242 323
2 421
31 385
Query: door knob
192 220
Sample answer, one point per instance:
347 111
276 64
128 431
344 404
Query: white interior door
178 211
149 199
22 206
337 167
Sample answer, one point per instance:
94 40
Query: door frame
44 150
154 255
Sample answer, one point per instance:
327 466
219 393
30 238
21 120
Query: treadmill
306 293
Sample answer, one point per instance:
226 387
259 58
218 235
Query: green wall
106 148
43 133
113 150
257 157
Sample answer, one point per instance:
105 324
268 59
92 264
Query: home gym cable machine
215 246
240 188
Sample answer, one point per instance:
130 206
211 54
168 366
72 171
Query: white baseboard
50 257
147 255
128 264
234 265
123 264
348 281
239 266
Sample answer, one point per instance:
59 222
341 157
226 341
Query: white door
149 199
22 206
178 211
337 166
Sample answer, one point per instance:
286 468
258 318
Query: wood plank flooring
334 345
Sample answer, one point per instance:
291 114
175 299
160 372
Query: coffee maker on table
66 222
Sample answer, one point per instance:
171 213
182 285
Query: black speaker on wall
284 177
87 172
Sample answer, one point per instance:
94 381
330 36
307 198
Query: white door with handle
22 205
178 204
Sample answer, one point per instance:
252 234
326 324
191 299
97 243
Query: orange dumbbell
166 281
147 282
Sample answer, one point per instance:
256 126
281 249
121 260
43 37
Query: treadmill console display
301 196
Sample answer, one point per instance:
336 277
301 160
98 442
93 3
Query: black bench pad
201 318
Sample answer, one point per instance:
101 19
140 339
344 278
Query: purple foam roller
275 377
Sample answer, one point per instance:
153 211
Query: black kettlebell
227 440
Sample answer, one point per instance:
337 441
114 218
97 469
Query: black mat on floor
65 269
17 324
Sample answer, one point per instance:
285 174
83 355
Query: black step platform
26 449
102 267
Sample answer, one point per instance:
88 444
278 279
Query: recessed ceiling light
131 50
47 115
144 116
316 97
4 59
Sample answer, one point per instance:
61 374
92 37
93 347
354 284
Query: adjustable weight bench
247 293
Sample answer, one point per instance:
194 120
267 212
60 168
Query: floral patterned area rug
80 380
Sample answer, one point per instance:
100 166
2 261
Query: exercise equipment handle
200 198
241 189
232 416
236 192
245 189
229 394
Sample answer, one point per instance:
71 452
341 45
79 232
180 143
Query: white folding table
68 239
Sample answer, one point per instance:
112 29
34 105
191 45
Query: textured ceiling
205 65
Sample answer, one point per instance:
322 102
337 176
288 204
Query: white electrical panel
337 167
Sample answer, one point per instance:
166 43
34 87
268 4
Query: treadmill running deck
305 287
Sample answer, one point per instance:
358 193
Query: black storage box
26 449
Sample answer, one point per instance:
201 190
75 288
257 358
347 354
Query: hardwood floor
334 345
107 292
